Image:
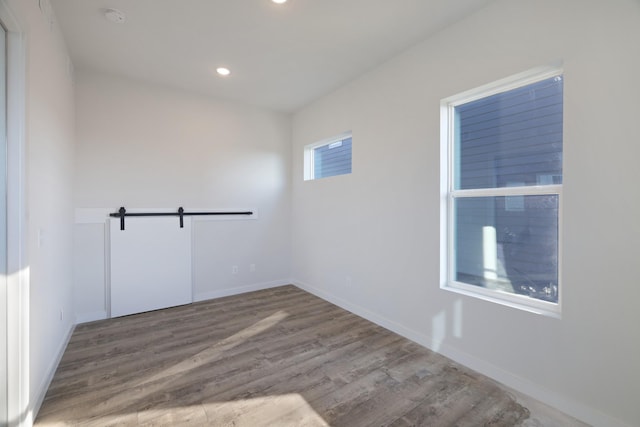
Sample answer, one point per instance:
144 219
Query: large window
502 185
329 157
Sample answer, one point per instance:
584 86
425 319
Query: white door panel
150 264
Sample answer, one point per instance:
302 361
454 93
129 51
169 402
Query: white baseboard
101 315
44 386
203 296
90 317
563 403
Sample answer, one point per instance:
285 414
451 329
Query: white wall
369 241
49 139
145 146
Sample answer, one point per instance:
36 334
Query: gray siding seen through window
332 159
510 139
513 138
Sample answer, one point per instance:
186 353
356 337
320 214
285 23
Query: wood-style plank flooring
279 357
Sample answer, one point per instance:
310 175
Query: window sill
518 302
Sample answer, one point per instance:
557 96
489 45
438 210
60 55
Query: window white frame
448 194
19 410
309 165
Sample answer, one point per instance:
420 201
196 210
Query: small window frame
448 193
309 150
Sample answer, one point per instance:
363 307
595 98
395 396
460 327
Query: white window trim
448 194
308 167
20 409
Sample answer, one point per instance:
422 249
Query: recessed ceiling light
279 1
115 16
223 71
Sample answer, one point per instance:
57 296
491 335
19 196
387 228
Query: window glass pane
508 244
332 159
512 138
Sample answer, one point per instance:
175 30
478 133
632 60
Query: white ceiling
281 56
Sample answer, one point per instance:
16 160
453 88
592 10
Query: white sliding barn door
150 264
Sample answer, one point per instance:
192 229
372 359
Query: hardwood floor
279 357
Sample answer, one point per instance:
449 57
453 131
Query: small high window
327 158
502 183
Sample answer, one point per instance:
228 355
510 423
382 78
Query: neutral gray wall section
370 240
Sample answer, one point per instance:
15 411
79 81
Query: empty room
320 213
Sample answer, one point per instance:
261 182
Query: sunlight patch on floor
162 381
281 410
217 350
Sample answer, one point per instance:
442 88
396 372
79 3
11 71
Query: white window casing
514 195
329 157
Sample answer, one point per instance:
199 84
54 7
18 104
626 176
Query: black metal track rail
122 213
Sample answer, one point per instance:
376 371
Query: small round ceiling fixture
223 71
114 15
279 1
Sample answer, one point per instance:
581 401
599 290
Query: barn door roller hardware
122 213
